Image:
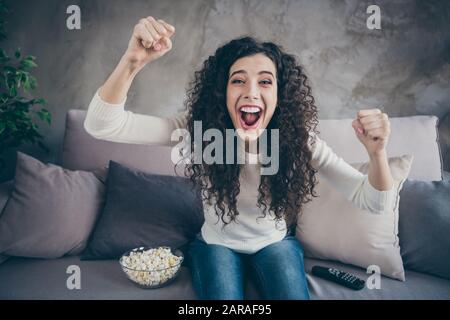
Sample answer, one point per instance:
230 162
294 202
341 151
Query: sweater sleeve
111 122
354 185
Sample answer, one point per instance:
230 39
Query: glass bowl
152 268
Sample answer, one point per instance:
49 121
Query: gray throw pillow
144 209
5 192
51 211
424 226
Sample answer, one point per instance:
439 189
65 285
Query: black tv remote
346 279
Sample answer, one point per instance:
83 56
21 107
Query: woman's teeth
250 109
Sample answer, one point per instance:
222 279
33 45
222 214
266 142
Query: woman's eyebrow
243 71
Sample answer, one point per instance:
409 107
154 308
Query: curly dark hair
295 117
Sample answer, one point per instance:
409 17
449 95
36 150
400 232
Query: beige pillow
332 228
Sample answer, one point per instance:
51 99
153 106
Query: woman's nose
252 92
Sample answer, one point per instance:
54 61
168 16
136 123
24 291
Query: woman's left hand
372 127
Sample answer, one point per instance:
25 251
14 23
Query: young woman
248 86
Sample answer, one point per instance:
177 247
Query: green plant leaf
11 125
26 84
45 115
20 113
17 123
23 77
39 101
28 64
18 77
33 82
13 91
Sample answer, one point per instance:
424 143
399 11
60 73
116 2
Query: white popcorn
151 267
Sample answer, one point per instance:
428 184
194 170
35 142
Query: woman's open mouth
250 116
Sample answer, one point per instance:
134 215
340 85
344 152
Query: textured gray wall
404 67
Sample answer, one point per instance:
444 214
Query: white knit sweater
251 233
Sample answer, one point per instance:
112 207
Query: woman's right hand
150 41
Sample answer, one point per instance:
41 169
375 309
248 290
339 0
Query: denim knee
279 270
217 271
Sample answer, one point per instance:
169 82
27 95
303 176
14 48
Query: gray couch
26 278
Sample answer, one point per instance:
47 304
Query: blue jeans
218 272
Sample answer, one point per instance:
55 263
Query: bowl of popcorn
151 267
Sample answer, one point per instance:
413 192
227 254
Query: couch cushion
415 135
416 286
424 227
26 278
81 151
144 209
331 227
6 189
51 211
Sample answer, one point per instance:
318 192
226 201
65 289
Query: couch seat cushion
27 278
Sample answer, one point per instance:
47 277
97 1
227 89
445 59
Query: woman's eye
266 82
237 81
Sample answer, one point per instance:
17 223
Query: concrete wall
404 67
